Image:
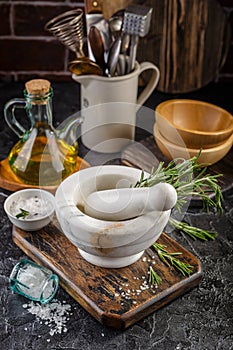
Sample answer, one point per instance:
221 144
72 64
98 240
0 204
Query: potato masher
136 22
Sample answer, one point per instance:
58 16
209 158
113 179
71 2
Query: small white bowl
110 244
30 222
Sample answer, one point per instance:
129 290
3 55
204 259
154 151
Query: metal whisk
68 28
136 23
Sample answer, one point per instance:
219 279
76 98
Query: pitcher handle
152 83
9 113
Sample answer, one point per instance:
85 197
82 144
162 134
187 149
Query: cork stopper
37 86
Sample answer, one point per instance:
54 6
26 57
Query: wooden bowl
208 156
194 124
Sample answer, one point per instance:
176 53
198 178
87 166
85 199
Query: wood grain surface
9 181
188 40
115 297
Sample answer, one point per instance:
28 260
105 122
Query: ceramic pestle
127 203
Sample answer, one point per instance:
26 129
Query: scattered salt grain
53 314
142 286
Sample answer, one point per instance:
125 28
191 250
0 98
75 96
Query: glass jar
33 281
41 157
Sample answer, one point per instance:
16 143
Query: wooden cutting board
146 154
115 297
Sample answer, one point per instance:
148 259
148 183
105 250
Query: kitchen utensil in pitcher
94 17
68 28
120 39
115 23
123 56
113 56
136 23
97 46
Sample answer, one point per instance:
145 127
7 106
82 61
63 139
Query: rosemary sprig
154 278
193 232
23 213
171 259
189 179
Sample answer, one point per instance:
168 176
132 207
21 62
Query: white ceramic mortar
110 244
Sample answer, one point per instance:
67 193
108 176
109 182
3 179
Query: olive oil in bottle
40 157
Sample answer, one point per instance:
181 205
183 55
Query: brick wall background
28 51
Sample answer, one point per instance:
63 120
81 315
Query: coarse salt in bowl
30 209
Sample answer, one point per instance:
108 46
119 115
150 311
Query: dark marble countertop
202 319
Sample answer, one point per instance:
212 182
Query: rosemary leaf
170 259
23 213
154 278
193 232
189 179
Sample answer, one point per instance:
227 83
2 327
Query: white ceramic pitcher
109 106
